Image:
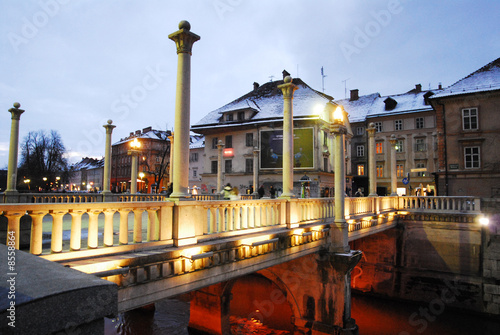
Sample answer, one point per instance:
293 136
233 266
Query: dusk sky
75 64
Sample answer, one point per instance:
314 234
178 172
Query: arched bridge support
316 288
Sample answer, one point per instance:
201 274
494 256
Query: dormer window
390 104
241 116
229 117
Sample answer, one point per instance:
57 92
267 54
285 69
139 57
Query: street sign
405 181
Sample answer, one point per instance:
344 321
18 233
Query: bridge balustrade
75 226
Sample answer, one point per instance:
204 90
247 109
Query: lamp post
13 150
394 182
134 152
338 129
287 88
107 160
27 182
141 175
184 40
372 169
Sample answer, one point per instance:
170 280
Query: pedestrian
226 191
272 191
234 194
261 191
358 193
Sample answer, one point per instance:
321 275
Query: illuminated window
399 170
469 118
380 171
400 146
419 122
420 166
471 157
378 148
360 151
361 170
398 124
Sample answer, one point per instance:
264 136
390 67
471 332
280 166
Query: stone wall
441 260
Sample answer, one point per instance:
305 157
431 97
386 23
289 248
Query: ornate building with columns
245 138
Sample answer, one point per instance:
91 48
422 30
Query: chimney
138 132
285 73
132 134
147 129
440 86
418 88
255 86
354 95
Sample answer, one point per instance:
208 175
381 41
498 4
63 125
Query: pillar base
11 196
373 195
180 195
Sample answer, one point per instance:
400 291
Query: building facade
86 176
412 120
153 161
468 134
247 134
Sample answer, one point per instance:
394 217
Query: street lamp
141 175
27 182
134 152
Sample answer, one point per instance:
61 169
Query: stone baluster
137 225
123 233
37 231
13 228
93 230
57 231
108 227
75 241
153 232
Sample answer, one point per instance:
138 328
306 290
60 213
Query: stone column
372 169
339 131
134 152
220 147
255 170
394 181
184 40
288 88
171 160
107 161
13 150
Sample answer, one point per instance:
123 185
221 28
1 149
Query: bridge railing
70 226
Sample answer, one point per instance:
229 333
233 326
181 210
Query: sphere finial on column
16 105
184 25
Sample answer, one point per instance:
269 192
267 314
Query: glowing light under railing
273 240
251 240
188 253
203 255
298 232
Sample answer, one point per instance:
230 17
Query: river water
374 316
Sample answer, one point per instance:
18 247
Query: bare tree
42 156
157 158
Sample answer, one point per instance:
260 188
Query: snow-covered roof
197 142
266 102
147 133
485 79
88 163
374 105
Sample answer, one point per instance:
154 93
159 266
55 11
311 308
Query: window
469 117
229 117
471 156
228 166
325 164
194 157
213 167
361 170
398 124
195 173
419 122
420 144
229 141
379 147
420 166
399 170
215 140
360 151
360 130
325 138
249 165
400 146
241 116
380 171
249 140
378 126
